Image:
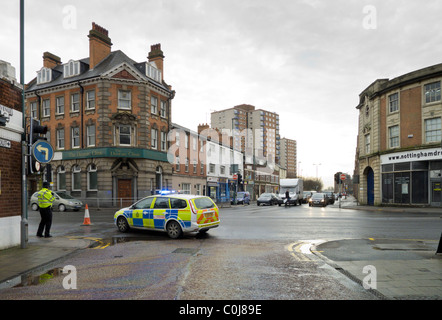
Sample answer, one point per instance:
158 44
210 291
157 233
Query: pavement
18 266
391 269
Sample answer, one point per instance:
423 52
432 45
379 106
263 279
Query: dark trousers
46 221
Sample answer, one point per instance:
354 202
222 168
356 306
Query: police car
174 214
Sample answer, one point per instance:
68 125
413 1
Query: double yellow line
302 249
296 250
99 242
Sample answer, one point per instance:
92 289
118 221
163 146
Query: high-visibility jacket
45 198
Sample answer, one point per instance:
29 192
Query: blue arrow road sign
42 151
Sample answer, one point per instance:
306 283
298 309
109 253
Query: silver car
62 202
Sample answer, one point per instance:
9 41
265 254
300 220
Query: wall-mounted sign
5 143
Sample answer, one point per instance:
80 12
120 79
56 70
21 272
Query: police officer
45 200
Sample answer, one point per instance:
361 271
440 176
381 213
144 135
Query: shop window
402 187
419 187
403 166
387 188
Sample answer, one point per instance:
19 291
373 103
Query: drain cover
185 250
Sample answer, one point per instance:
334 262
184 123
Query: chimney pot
99 44
156 55
50 60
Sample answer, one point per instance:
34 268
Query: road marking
302 249
100 244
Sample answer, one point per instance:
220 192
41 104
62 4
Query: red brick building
108 117
10 157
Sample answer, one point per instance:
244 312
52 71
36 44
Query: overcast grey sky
307 60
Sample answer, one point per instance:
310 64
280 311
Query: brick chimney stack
157 56
50 60
99 45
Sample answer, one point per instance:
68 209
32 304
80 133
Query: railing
108 202
116 203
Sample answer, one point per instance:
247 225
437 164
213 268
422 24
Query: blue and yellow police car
175 214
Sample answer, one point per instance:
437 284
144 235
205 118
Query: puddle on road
32 279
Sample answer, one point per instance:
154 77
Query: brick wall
10 158
411 117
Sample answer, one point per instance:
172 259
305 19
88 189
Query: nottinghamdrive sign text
415 155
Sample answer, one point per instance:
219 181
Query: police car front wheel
174 230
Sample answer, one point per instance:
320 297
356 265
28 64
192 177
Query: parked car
62 202
174 214
331 197
242 197
267 198
318 199
280 201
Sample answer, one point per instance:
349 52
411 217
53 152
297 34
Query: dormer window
152 72
44 75
71 69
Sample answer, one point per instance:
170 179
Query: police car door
140 213
160 209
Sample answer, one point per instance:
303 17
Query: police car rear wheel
122 224
174 230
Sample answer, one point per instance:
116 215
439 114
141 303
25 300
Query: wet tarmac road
257 253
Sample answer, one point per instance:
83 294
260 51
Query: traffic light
35 131
239 178
337 177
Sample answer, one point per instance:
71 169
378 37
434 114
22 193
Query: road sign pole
24 215
342 177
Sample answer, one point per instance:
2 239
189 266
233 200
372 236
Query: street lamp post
317 164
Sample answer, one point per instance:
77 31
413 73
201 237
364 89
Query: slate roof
114 59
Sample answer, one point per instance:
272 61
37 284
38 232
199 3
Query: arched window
159 178
76 178
92 178
61 178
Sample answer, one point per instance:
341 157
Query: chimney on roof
203 127
50 60
99 45
157 56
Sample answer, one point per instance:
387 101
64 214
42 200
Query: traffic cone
87 219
